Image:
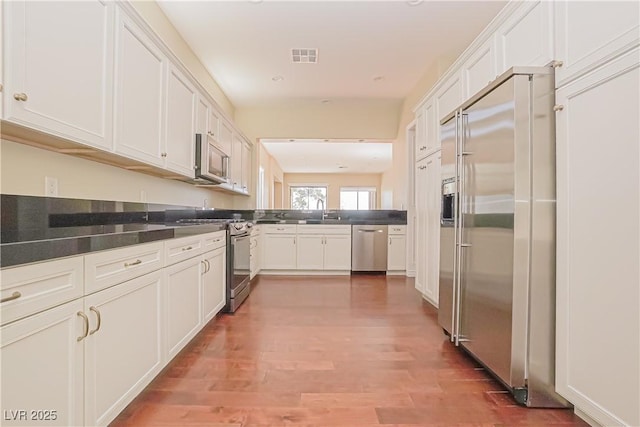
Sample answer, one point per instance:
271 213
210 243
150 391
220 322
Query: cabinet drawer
280 228
37 287
398 229
177 250
215 240
324 229
108 268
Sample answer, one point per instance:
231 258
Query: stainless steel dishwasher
369 248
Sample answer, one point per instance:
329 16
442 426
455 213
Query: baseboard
586 418
396 273
305 272
411 273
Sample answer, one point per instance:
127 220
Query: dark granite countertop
40 245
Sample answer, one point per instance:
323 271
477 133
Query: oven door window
240 260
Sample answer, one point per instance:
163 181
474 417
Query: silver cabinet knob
20 96
163 154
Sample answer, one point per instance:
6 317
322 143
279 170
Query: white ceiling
315 156
246 43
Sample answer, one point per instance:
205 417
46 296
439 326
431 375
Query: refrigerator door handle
454 303
461 180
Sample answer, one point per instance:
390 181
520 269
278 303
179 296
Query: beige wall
272 173
24 168
340 119
333 181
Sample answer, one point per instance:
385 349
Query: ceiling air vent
304 56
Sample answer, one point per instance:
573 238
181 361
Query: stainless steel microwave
212 164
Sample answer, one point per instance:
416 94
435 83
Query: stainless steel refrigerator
497 235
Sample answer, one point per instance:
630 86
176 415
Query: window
308 197
357 198
260 198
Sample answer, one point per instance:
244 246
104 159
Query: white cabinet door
432 228
182 304
123 350
310 250
598 246
279 252
396 253
214 286
214 123
246 167
337 252
449 96
236 163
431 128
421 134
226 137
479 70
140 82
202 116
526 37
421 225
180 124
588 34
42 368
59 62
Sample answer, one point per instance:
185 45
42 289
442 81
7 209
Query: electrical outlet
205 204
143 196
50 186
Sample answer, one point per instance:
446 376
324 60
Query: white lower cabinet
598 296
397 253
255 252
42 369
214 286
182 304
123 345
337 252
279 252
310 252
83 362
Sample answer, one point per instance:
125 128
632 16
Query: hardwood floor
357 351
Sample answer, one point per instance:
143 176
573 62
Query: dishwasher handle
370 231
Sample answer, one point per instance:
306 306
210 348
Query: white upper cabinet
140 76
180 122
449 96
226 137
58 72
246 166
591 33
202 116
431 128
479 70
526 37
236 163
421 134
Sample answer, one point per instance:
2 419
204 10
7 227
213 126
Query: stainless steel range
238 286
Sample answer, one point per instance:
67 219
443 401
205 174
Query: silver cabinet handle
13 296
294 240
20 96
98 318
389 241
369 231
188 248
280 229
86 326
130 264
207 265
557 108
204 264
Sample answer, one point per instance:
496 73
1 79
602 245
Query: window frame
302 185
373 196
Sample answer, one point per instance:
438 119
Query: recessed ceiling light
342 167
378 78
326 140
255 1
414 2
326 101
292 140
277 78
361 140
